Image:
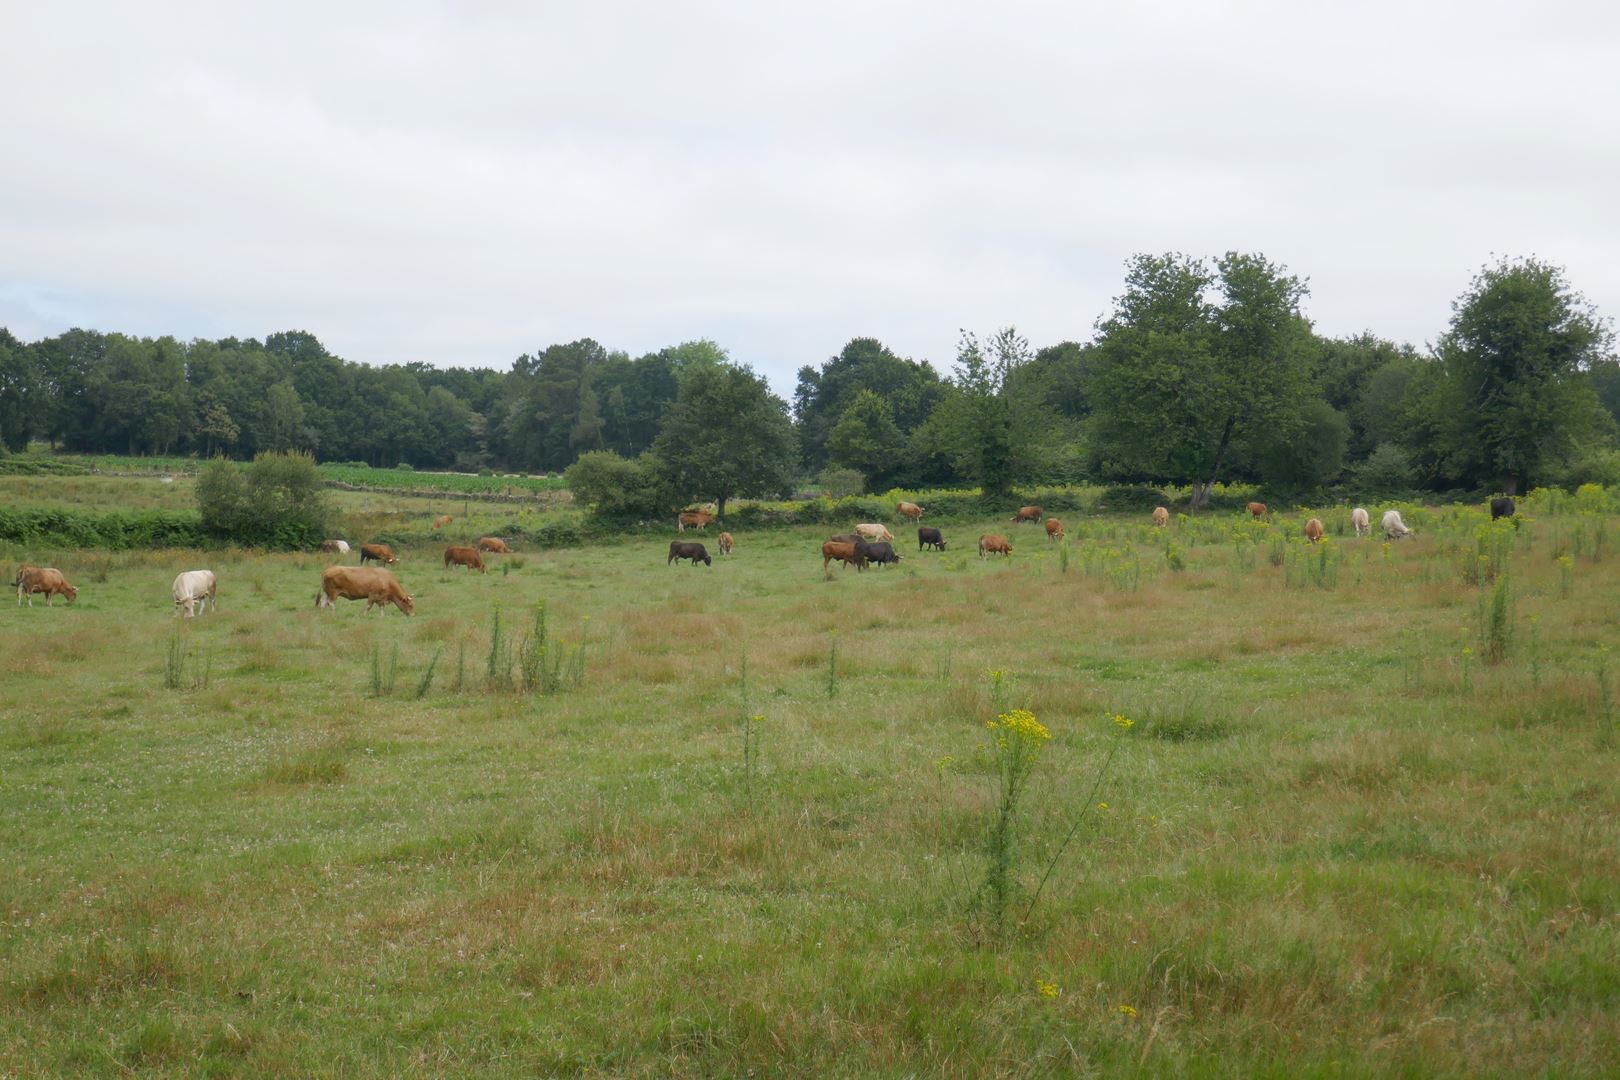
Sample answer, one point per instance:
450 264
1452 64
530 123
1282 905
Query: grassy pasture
1334 841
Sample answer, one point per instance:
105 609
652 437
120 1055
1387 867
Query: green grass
1319 855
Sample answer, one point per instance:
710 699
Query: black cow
930 536
877 551
1501 507
680 549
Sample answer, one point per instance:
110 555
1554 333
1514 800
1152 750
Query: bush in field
841 482
1387 469
618 487
276 502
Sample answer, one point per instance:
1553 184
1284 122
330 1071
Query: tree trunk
1510 485
1202 492
720 506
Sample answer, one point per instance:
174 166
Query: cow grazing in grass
1054 529
991 544
45 579
877 552
463 556
441 521
928 536
377 553
376 586
693 519
845 552
1313 530
1257 510
494 545
1361 522
1031 514
1394 527
909 510
727 542
1501 507
846 538
335 547
875 532
195 588
1161 516
680 549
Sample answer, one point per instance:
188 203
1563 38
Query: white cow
1363 523
1394 527
192 588
874 531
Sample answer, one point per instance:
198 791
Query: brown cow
1161 516
726 543
1313 530
991 543
1257 510
1030 514
48 580
441 521
463 556
493 544
377 553
681 549
909 510
693 519
377 587
845 553
1054 529
846 538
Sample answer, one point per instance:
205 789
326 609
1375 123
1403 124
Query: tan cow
1030 514
1161 516
1362 523
494 545
376 586
441 521
693 519
909 510
378 553
335 547
46 579
1313 530
1054 529
463 556
848 554
726 543
990 543
872 531
1257 510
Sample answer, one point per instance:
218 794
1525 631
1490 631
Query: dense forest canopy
1203 371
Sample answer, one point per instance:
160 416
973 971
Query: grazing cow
335 547
463 556
1161 516
1313 530
693 519
441 521
847 552
1257 510
45 579
1054 529
493 544
376 586
1394 527
846 538
679 549
875 532
726 543
878 552
1030 514
378 553
193 588
1362 523
929 536
990 543
1501 507
909 510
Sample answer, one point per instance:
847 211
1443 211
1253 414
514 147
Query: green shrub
404 466
276 502
558 534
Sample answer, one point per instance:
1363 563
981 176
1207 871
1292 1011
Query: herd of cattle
871 543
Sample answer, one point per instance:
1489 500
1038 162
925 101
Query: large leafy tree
20 391
909 388
726 435
1512 394
867 440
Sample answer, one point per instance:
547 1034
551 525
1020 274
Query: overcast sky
461 183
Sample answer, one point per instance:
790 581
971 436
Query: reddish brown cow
46 579
377 587
693 519
1257 510
378 553
990 543
846 553
1054 529
726 543
493 544
1030 514
909 510
441 521
1313 530
463 556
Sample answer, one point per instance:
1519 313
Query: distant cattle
991 544
1313 530
1257 510
909 510
1161 516
1501 507
848 553
192 589
680 549
464 556
377 553
1394 527
46 579
335 547
441 521
494 545
877 552
1030 514
929 536
875 532
726 543
376 586
1362 523
693 519
1054 529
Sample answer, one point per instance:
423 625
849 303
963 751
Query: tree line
1202 371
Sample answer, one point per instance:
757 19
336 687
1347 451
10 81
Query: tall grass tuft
1496 623
426 684
174 662
383 674
461 665
498 670
832 664
178 657
1016 741
1063 555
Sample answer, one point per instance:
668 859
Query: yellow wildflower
757 719
1127 1011
1123 722
1102 806
1047 989
1022 722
